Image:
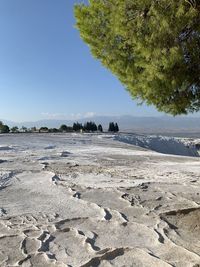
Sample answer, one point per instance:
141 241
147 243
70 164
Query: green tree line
89 126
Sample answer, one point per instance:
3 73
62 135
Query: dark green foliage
53 130
152 46
90 127
63 128
14 129
4 128
77 127
100 128
113 127
116 127
43 129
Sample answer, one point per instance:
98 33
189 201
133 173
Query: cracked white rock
87 200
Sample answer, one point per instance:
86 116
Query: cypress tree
116 127
90 126
100 128
111 127
74 127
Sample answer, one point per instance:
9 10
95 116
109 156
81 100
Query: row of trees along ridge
77 127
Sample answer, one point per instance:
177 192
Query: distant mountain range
127 123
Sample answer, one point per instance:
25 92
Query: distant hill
127 123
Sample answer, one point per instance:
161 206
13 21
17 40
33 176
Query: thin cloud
52 115
89 114
77 116
72 116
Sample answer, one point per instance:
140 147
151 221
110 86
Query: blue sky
46 71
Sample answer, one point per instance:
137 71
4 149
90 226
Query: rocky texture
87 200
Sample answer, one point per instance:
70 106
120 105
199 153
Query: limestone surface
87 200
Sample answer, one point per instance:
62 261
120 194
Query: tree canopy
4 128
113 127
63 128
152 46
90 126
100 128
14 129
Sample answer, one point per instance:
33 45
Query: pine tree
94 127
74 127
63 128
100 128
90 127
4 128
86 126
111 127
153 47
116 127
77 127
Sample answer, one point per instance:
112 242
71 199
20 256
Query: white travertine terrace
86 200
